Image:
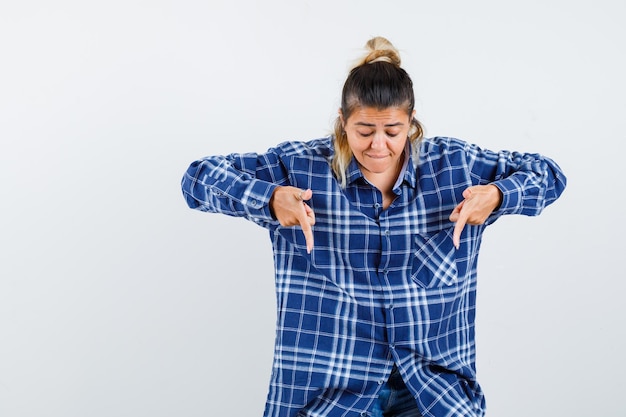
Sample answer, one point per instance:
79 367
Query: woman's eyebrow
374 125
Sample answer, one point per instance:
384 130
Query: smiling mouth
377 156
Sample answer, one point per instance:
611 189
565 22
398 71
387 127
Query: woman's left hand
479 202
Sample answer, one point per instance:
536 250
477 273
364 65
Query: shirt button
363 414
381 381
253 203
387 233
390 306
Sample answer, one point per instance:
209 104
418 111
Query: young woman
375 232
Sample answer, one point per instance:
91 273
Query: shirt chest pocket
434 260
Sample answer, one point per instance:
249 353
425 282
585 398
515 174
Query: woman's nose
378 141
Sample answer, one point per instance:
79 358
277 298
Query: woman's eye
391 134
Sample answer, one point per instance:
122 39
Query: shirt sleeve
528 181
238 185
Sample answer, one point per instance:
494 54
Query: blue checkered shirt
381 286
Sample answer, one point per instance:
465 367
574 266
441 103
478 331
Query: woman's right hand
289 208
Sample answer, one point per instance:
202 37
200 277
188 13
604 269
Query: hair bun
381 50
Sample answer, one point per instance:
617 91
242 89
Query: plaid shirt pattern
380 286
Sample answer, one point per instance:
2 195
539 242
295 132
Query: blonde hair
379 49
376 80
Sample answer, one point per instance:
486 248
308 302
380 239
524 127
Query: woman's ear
343 122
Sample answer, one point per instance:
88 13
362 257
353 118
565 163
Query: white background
117 300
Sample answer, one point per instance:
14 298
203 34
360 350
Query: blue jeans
394 399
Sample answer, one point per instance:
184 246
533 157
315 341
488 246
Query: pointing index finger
306 229
305 218
458 228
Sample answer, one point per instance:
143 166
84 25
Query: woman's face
377 138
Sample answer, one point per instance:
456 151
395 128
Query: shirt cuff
256 199
511 196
